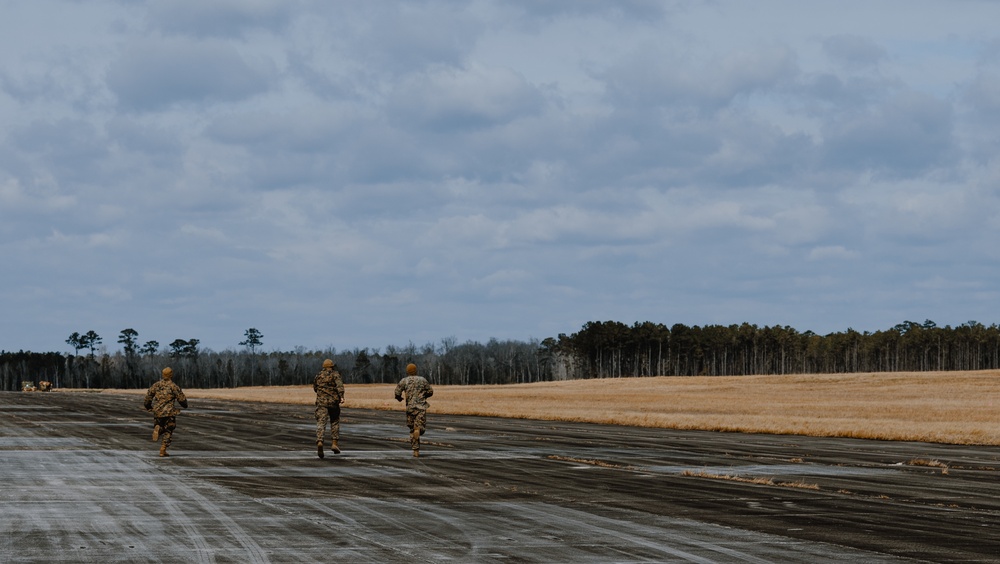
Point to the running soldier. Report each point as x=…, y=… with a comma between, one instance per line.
x=417, y=390
x=329, y=388
x=160, y=399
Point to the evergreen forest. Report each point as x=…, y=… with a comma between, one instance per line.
x=607, y=349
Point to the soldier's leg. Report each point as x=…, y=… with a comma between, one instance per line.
x=335, y=428
x=322, y=418
x=412, y=421
x=420, y=421
x=409, y=424
x=167, y=426
x=334, y=413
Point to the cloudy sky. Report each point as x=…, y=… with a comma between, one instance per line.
x=360, y=174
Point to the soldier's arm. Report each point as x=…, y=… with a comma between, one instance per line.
x=148, y=401
x=430, y=390
x=181, y=398
x=399, y=390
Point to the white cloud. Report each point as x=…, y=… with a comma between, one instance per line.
x=943, y=283
x=502, y=283
x=833, y=252
x=205, y=234
x=448, y=99
x=475, y=231
x=15, y=199
x=400, y=298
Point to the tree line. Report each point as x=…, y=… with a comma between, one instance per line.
x=605, y=349
x=137, y=366
x=613, y=349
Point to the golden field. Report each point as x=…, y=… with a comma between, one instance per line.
x=944, y=407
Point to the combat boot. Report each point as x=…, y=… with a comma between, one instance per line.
x=334, y=447
x=156, y=432
x=163, y=450
x=319, y=449
x=416, y=452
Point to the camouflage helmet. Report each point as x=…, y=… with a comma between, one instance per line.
x=411, y=369
x=328, y=363
x=168, y=372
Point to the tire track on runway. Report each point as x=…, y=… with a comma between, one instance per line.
x=348, y=525
x=255, y=553
x=606, y=524
x=177, y=514
x=216, y=427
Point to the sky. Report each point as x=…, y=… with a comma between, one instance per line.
x=362, y=174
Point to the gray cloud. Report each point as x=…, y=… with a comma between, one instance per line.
x=157, y=73
x=298, y=130
x=149, y=140
x=456, y=99
x=854, y=50
x=983, y=92
x=652, y=78
x=69, y=149
x=398, y=39
x=906, y=135
x=642, y=10
x=221, y=18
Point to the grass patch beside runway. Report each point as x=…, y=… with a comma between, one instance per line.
x=942, y=407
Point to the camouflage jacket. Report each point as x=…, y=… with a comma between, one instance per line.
x=329, y=388
x=160, y=398
x=417, y=390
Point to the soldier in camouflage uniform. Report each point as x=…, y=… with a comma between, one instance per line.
x=160, y=399
x=329, y=388
x=417, y=389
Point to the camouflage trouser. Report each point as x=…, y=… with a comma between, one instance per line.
x=416, y=419
x=167, y=426
x=326, y=415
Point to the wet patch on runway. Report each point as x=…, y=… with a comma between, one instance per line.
x=347, y=454
x=36, y=442
x=314, y=471
x=398, y=530
x=777, y=470
x=97, y=424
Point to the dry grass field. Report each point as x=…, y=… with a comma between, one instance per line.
x=944, y=407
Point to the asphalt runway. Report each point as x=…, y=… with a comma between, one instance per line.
x=80, y=481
